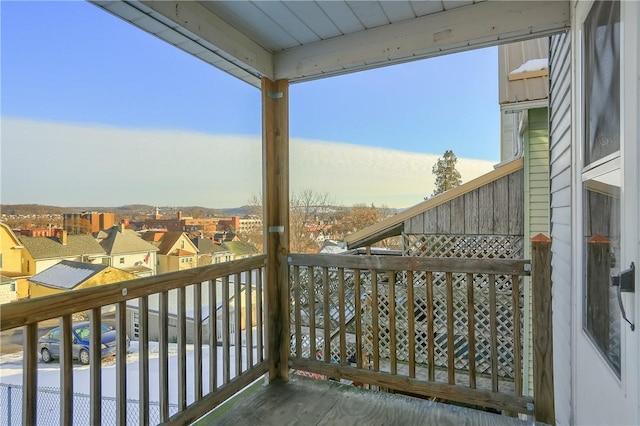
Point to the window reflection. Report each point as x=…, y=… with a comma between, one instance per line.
x=602, y=250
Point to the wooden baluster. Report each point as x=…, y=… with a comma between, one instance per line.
x=248, y=292
x=197, y=344
x=451, y=367
x=392, y=322
x=182, y=349
x=96, y=366
x=326, y=312
x=66, y=370
x=358, y=313
x=517, y=344
x=260, y=328
x=237, y=301
x=342, y=315
x=163, y=353
x=226, y=373
x=431, y=348
x=143, y=372
x=411, y=309
x=121, y=363
x=213, y=335
x=375, y=327
x=471, y=331
x=30, y=375
x=493, y=321
x=312, y=312
x=297, y=308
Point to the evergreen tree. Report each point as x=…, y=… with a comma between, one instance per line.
x=447, y=176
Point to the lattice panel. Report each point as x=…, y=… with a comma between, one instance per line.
x=464, y=246
x=304, y=292
x=460, y=318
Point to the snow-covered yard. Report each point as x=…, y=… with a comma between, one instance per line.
x=49, y=379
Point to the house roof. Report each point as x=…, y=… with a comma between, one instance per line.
x=524, y=71
x=240, y=248
x=125, y=242
x=298, y=41
x=205, y=245
x=52, y=247
x=394, y=225
x=67, y=274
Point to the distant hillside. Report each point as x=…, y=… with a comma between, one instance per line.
x=127, y=211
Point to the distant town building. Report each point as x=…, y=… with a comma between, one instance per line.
x=203, y=226
x=87, y=222
x=175, y=252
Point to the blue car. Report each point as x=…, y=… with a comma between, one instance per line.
x=49, y=344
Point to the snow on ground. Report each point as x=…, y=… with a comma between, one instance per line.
x=49, y=374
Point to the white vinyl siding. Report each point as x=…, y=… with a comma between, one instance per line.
x=560, y=176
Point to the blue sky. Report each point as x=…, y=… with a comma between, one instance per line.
x=71, y=63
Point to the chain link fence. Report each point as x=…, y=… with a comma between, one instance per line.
x=49, y=408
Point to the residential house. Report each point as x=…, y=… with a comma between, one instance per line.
x=239, y=249
x=209, y=252
x=13, y=285
x=40, y=253
x=69, y=275
x=128, y=251
x=175, y=252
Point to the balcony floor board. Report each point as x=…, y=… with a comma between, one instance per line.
x=304, y=401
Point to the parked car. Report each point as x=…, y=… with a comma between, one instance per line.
x=49, y=344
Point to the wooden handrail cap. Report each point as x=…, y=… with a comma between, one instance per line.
x=599, y=239
x=540, y=238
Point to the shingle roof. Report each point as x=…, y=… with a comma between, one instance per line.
x=67, y=274
x=240, y=248
x=51, y=247
x=127, y=242
x=205, y=245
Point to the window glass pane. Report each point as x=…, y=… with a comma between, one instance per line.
x=602, y=253
x=602, y=81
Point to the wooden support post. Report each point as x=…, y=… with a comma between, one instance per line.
x=543, y=396
x=275, y=152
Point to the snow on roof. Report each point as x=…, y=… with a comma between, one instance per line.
x=532, y=65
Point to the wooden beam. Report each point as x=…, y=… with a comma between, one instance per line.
x=275, y=151
x=479, y=25
x=543, y=396
x=528, y=74
x=201, y=33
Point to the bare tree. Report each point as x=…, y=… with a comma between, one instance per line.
x=253, y=235
x=310, y=213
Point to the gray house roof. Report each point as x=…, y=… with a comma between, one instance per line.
x=67, y=274
x=52, y=247
x=206, y=246
x=125, y=242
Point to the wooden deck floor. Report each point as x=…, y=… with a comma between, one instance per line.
x=303, y=401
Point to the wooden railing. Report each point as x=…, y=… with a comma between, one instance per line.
x=235, y=287
x=444, y=328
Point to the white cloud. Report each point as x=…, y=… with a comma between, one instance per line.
x=85, y=165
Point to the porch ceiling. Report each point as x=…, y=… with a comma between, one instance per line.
x=303, y=40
